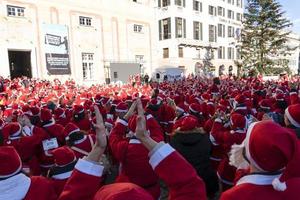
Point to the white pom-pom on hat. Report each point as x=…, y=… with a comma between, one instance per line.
x=278, y=185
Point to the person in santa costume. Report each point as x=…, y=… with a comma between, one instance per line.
x=221, y=136
x=15, y=185
x=273, y=156
x=80, y=118
x=79, y=142
x=194, y=145
x=65, y=161
x=25, y=143
x=131, y=154
x=164, y=160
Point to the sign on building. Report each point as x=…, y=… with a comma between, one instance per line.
x=56, y=46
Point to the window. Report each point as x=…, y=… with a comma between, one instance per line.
x=221, y=53
x=221, y=11
x=85, y=21
x=164, y=29
x=115, y=75
x=238, y=54
x=230, y=14
x=231, y=2
x=180, y=27
x=88, y=66
x=238, y=17
x=165, y=52
x=230, y=53
x=212, y=33
x=180, y=52
x=15, y=11
x=138, y=28
x=139, y=58
x=163, y=3
x=197, y=6
x=180, y=3
x=221, y=30
x=239, y=3
x=230, y=31
x=198, y=34
x=212, y=10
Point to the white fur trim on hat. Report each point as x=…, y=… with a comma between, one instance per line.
x=246, y=142
x=120, y=110
x=291, y=119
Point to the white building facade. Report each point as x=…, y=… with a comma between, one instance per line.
x=75, y=39
x=191, y=32
x=294, y=57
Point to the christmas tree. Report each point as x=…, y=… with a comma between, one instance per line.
x=264, y=36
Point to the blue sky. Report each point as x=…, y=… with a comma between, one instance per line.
x=292, y=8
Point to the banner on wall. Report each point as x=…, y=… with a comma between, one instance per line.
x=56, y=45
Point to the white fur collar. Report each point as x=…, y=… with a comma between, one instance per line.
x=15, y=188
x=62, y=176
x=258, y=179
x=80, y=141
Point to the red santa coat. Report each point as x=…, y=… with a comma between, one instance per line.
x=23, y=187
x=133, y=156
x=165, y=161
x=259, y=187
x=84, y=124
x=45, y=157
x=58, y=181
x=84, y=146
x=226, y=172
x=26, y=147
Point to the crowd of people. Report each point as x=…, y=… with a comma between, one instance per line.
x=194, y=138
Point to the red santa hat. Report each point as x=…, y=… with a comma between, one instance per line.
x=35, y=111
x=238, y=122
x=181, y=107
x=188, y=123
x=78, y=109
x=63, y=156
x=12, y=129
x=10, y=162
x=293, y=114
x=70, y=128
x=121, y=191
x=59, y=112
x=26, y=110
x=46, y=116
x=122, y=107
x=265, y=104
x=273, y=151
x=194, y=108
x=240, y=99
x=279, y=97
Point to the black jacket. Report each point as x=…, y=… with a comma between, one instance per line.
x=195, y=147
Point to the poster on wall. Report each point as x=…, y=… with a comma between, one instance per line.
x=56, y=45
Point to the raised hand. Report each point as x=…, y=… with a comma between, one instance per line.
x=100, y=129
x=101, y=141
x=131, y=110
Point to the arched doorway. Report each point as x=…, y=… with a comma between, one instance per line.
x=221, y=70
x=230, y=70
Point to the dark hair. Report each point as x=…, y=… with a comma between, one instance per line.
x=35, y=120
x=78, y=117
x=1, y=138
x=73, y=137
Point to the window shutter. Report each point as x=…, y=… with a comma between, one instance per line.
x=183, y=3
x=184, y=28
x=159, y=3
